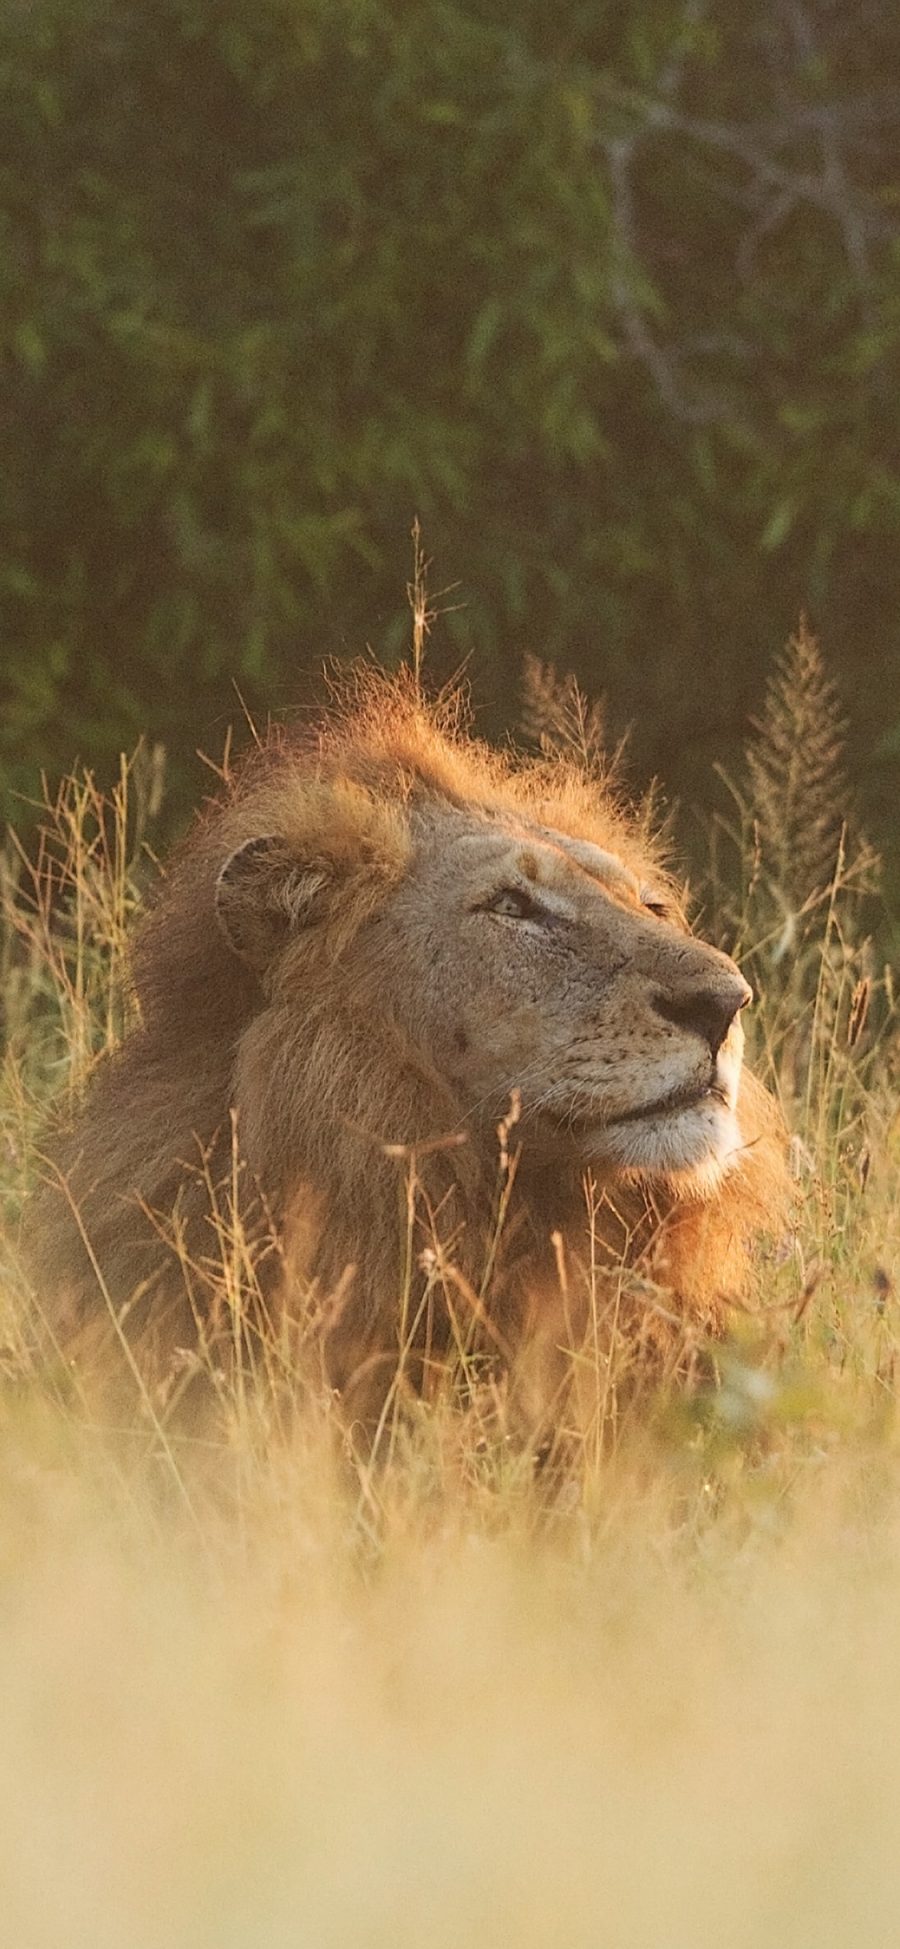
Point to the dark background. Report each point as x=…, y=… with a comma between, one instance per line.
x=607, y=294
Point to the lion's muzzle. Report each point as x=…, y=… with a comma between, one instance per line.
x=708, y=1010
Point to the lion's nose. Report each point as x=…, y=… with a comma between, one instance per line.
x=708, y=1012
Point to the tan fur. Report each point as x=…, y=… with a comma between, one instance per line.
x=323, y=972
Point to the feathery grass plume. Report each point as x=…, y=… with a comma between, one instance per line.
x=793, y=860
x=417, y=596
x=813, y=867
x=788, y=883
x=799, y=793
x=789, y=887
x=556, y=716
x=425, y=608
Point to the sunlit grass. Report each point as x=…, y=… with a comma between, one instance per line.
x=642, y=1723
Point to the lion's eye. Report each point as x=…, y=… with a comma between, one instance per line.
x=514, y=904
x=655, y=905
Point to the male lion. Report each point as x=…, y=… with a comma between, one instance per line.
x=381, y=938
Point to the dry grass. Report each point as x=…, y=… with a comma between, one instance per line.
x=259, y=1691
x=617, y=1733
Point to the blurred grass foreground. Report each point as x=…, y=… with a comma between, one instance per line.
x=257, y=1690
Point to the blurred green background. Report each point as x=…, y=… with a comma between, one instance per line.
x=606, y=293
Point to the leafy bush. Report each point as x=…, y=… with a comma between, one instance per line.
x=609, y=296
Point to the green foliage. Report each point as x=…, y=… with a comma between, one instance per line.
x=609, y=296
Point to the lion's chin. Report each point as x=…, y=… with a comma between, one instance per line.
x=694, y=1146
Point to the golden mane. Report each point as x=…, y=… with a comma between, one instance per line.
x=335, y=1109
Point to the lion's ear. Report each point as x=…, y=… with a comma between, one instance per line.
x=263, y=892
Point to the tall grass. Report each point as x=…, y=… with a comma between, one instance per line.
x=261, y=1688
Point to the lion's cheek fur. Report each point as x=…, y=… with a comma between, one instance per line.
x=488, y=1067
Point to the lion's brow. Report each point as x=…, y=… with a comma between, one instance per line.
x=605, y=868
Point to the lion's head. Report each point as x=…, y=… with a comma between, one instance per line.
x=512, y=958
x=380, y=938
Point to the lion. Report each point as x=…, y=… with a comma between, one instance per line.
x=380, y=945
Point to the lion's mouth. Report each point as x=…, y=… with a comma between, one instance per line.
x=688, y=1097
x=685, y=1098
